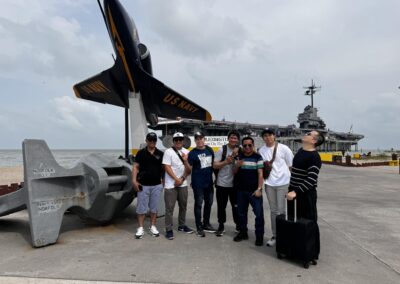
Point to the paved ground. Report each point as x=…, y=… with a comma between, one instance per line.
x=360, y=237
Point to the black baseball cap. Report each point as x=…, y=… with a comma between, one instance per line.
x=198, y=134
x=151, y=136
x=268, y=131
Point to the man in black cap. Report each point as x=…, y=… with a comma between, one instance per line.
x=278, y=160
x=201, y=161
x=147, y=175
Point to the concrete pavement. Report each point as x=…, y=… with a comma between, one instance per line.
x=360, y=243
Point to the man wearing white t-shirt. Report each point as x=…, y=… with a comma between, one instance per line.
x=276, y=185
x=177, y=168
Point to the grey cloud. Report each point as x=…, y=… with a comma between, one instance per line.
x=46, y=45
x=193, y=30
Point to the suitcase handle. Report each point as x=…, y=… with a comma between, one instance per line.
x=295, y=209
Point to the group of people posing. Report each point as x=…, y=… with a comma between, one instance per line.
x=241, y=173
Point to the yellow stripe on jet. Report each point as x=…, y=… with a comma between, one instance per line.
x=120, y=49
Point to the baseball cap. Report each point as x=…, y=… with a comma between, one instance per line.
x=198, y=134
x=177, y=135
x=268, y=131
x=151, y=136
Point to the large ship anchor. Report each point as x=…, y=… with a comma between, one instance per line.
x=96, y=188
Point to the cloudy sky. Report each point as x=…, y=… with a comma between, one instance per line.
x=242, y=60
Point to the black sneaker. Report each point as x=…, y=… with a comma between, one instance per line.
x=169, y=235
x=259, y=241
x=200, y=233
x=220, y=232
x=241, y=236
x=208, y=228
x=185, y=229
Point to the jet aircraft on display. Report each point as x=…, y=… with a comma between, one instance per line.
x=132, y=72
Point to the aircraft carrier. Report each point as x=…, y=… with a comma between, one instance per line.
x=217, y=130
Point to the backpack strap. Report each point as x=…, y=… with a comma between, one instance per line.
x=224, y=152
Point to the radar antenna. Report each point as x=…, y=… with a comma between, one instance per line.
x=311, y=90
x=351, y=129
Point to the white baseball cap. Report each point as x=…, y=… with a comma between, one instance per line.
x=177, y=134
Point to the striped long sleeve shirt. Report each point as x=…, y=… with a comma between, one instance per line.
x=305, y=170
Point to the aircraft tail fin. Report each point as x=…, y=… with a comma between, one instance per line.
x=106, y=87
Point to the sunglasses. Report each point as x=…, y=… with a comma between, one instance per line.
x=178, y=139
x=152, y=140
x=247, y=145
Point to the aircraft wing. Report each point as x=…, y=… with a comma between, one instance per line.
x=165, y=102
x=106, y=87
x=111, y=87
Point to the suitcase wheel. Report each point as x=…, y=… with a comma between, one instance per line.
x=279, y=256
x=313, y=262
x=306, y=265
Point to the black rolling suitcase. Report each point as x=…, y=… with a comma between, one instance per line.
x=297, y=239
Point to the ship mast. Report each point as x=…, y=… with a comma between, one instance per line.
x=311, y=90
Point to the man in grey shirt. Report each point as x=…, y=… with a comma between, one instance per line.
x=223, y=162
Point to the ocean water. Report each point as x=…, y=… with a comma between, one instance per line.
x=66, y=158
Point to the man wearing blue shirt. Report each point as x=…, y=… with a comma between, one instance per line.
x=201, y=162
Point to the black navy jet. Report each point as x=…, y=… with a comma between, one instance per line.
x=132, y=71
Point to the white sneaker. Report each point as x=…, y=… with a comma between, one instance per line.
x=139, y=233
x=153, y=231
x=271, y=242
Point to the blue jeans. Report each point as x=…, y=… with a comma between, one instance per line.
x=245, y=198
x=205, y=194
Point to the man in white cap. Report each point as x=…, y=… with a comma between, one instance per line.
x=177, y=168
